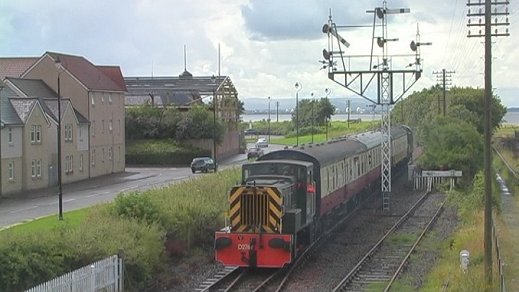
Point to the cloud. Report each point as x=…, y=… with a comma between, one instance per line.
x=266, y=45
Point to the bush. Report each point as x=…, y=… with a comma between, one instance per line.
x=136, y=224
x=135, y=206
x=31, y=258
x=103, y=235
x=191, y=210
x=27, y=260
x=165, y=151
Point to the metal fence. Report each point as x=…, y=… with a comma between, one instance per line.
x=105, y=275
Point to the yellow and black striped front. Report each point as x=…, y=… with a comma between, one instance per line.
x=255, y=209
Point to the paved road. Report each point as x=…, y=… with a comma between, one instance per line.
x=78, y=195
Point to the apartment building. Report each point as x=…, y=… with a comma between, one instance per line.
x=97, y=93
x=92, y=120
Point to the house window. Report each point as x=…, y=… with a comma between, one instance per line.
x=68, y=132
x=81, y=162
x=68, y=163
x=36, y=134
x=110, y=153
x=33, y=168
x=103, y=98
x=102, y=126
x=110, y=126
x=93, y=99
x=103, y=157
x=10, y=170
x=93, y=162
x=10, y=135
x=110, y=98
x=38, y=168
x=93, y=128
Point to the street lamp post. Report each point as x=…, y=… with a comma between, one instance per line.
x=269, y=120
x=313, y=104
x=213, y=79
x=277, y=111
x=1, y=176
x=60, y=190
x=298, y=87
x=327, y=91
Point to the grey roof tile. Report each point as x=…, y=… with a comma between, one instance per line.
x=8, y=115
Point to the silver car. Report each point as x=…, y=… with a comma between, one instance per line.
x=262, y=142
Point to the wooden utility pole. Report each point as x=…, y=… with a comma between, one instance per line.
x=487, y=111
x=443, y=77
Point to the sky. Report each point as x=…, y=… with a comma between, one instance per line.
x=266, y=46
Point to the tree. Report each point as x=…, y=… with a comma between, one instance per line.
x=143, y=122
x=198, y=123
x=452, y=143
x=473, y=100
x=313, y=112
x=148, y=122
x=420, y=108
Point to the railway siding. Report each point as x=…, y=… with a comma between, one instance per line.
x=379, y=265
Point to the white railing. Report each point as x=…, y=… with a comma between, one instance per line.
x=104, y=275
x=427, y=183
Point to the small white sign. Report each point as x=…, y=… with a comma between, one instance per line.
x=441, y=173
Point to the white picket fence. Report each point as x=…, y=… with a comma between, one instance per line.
x=105, y=275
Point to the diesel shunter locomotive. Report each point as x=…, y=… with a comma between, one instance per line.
x=286, y=197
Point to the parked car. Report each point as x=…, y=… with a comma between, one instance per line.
x=250, y=132
x=254, y=152
x=262, y=142
x=203, y=164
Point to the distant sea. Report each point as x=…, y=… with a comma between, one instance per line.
x=287, y=117
x=511, y=117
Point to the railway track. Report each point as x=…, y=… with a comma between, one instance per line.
x=240, y=279
x=283, y=279
x=221, y=276
x=381, y=265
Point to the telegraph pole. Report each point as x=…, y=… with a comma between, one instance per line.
x=382, y=70
x=443, y=77
x=500, y=9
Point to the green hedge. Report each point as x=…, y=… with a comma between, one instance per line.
x=161, y=151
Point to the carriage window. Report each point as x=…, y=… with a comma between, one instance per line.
x=357, y=166
x=347, y=172
x=328, y=179
x=336, y=182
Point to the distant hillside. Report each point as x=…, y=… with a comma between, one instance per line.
x=260, y=105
